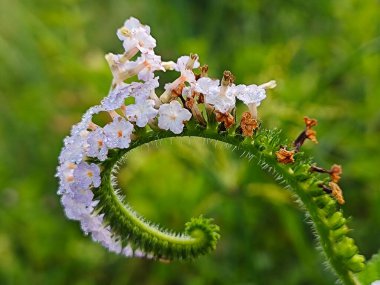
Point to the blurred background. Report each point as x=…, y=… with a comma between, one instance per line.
x=325, y=58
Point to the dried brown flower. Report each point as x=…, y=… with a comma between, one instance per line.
x=310, y=122
x=285, y=156
x=225, y=118
x=337, y=192
x=177, y=92
x=308, y=133
x=248, y=124
x=335, y=173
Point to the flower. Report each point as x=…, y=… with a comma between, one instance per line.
x=74, y=210
x=143, y=91
x=226, y=118
x=335, y=173
x=96, y=144
x=144, y=66
x=141, y=112
x=377, y=282
x=186, y=62
x=311, y=134
x=221, y=97
x=92, y=223
x=75, y=147
x=135, y=35
x=308, y=133
x=86, y=175
x=285, y=156
x=81, y=127
x=65, y=174
x=117, y=96
x=248, y=124
x=118, y=133
x=337, y=192
x=250, y=94
x=172, y=116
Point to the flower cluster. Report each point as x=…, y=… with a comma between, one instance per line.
x=89, y=144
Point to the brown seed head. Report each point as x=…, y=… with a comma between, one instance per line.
x=225, y=118
x=337, y=192
x=285, y=156
x=248, y=124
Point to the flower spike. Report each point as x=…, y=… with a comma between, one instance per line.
x=192, y=105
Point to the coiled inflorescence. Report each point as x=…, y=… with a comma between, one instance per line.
x=91, y=151
x=192, y=105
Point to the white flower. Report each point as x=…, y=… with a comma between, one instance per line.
x=81, y=127
x=83, y=196
x=135, y=35
x=143, y=91
x=96, y=144
x=86, y=175
x=141, y=112
x=65, y=169
x=91, y=223
x=65, y=174
x=144, y=66
x=182, y=63
x=75, y=148
x=172, y=116
x=185, y=64
x=118, y=133
x=377, y=282
x=207, y=85
x=117, y=97
x=250, y=94
x=74, y=210
x=221, y=97
x=151, y=63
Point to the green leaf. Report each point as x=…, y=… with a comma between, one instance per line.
x=372, y=271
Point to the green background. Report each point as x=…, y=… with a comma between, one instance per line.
x=325, y=58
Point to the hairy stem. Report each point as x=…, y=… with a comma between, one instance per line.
x=327, y=218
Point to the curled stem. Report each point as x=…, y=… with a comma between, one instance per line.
x=200, y=235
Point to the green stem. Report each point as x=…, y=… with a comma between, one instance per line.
x=201, y=236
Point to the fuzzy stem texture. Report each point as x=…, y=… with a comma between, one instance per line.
x=201, y=236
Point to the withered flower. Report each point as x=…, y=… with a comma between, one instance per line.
x=191, y=104
x=335, y=173
x=285, y=156
x=337, y=192
x=308, y=133
x=310, y=122
x=177, y=91
x=248, y=124
x=225, y=118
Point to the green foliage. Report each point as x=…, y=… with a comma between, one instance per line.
x=323, y=54
x=372, y=271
